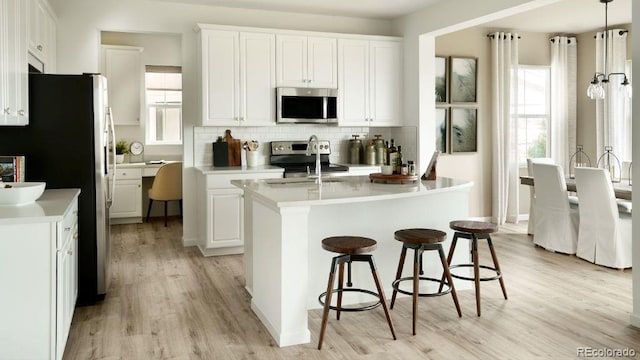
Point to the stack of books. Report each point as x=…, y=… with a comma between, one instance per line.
x=12, y=168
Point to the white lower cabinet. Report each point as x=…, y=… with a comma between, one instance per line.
x=39, y=281
x=127, y=196
x=221, y=211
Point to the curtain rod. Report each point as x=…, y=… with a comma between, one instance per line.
x=493, y=36
x=619, y=33
x=553, y=40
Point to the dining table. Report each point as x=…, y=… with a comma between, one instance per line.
x=622, y=189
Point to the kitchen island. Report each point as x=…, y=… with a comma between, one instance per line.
x=286, y=219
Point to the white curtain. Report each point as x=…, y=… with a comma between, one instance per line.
x=504, y=65
x=613, y=124
x=564, y=73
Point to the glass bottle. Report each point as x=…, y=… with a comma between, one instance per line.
x=386, y=153
x=392, y=156
x=399, y=160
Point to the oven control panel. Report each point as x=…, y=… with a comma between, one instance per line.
x=299, y=147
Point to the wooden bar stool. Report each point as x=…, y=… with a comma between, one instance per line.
x=474, y=230
x=351, y=248
x=421, y=240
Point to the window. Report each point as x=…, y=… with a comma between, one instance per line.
x=164, y=105
x=534, y=112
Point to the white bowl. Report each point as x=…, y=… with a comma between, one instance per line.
x=21, y=193
x=387, y=169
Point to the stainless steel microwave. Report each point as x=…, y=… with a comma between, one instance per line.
x=307, y=106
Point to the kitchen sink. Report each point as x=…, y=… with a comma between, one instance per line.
x=303, y=180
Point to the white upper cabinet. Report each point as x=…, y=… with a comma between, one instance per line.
x=42, y=33
x=122, y=65
x=370, y=83
x=304, y=61
x=238, y=78
x=14, y=91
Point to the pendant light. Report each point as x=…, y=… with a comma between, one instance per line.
x=596, y=89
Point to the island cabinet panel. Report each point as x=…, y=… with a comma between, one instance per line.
x=225, y=209
x=238, y=78
x=39, y=277
x=370, y=82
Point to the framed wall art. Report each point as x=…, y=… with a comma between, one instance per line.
x=464, y=130
x=441, y=79
x=442, y=129
x=463, y=79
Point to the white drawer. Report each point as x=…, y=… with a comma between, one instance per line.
x=128, y=174
x=68, y=225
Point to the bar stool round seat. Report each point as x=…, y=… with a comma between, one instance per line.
x=421, y=240
x=474, y=230
x=349, y=244
x=351, y=249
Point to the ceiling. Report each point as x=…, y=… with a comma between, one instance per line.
x=567, y=17
x=379, y=9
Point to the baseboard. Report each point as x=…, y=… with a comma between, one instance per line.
x=187, y=242
x=120, y=221
x=635, y=320
x=523, y=217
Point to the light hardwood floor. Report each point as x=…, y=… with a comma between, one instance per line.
x=169, y=302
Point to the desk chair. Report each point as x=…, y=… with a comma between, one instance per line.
x=167, y=186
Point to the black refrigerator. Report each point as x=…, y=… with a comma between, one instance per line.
x=66, y=144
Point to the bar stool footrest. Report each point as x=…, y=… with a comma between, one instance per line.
x=351, y=309
x=498, y=275
x=396, y=286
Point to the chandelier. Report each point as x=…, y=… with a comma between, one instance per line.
x=595, y=91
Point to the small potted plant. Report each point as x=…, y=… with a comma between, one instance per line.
x=121, y=148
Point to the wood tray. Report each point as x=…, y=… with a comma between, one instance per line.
x=392, y=179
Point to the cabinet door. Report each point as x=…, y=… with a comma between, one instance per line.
x=257, y=79
x=385, y=84
x=291, y=60
x=322, y=63
x=51, y=61
x=14, y=101
x=353, y=82
x=127, y=199
x=225, y=209
x=64, y=290
x=124, y=72
x=220, y=75
x=38, y=28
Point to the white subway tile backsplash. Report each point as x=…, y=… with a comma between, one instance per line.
x=338, y=136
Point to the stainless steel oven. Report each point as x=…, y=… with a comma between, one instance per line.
x=292, y=156
x=309, y=106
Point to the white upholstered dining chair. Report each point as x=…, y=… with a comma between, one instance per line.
x=532, y=191
x=556, y=221
x=605, y=228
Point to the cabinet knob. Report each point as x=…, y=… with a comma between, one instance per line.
x=7, y=111
x=39, y=47
x=67, y=229
x=21, y=112
x=70, y=252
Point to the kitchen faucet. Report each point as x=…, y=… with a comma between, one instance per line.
x=314, y=139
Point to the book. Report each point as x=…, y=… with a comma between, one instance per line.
x=430, y=173
x=12, y=168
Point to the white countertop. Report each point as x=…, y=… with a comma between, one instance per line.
x=143, y=164
x=51, y=206
x=339, y=190
x=208, y=170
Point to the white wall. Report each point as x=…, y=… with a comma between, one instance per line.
x=78, y=43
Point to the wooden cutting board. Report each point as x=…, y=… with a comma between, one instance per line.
x=392, y=179
x=234, y=149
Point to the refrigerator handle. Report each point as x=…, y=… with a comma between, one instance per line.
x=113, y=153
